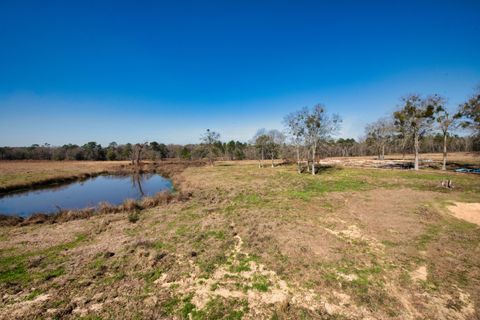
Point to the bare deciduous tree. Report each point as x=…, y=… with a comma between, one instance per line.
x=295, y=123
x=319, y=126
x=260, y=140
x=209, y=141
x=402, y=132
x=378, y=134
x=274, y=143
x=445, y=122
x=137, y=153
x=416, y=116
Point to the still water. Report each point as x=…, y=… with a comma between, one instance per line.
x=81, y=194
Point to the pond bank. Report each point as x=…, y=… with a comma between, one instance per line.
x=69, y=173
x=23, y=175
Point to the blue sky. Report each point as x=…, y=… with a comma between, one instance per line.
x=150, y=70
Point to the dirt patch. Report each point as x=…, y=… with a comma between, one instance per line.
x=419, y=274
x=466, y=211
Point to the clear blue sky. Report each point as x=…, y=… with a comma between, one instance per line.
x=76, y=71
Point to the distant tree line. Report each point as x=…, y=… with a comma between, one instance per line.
x=420, y=124
x=232, y=150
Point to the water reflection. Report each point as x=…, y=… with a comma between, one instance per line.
x=137, y=180
x=113, y=189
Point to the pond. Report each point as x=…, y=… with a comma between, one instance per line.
x=113, y=189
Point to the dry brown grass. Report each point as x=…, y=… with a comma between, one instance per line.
x=105, y=208
x=22, y=174
x=130, y=205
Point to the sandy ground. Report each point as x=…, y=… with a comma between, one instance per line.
x=466, y=211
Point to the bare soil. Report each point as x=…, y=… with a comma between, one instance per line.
x=466, y=211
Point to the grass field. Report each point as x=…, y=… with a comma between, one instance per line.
x=255, y=243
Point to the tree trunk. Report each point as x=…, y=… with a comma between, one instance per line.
x=313, y=158
x=261, y=165
x=416, y=145
x=273, y=164
x=382, y=157
x=298, y=160
x=139, y=153
x=444, y=166
x=404, y=147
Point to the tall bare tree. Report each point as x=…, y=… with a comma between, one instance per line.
x=416, y=115
x=402, y=135
x=319, y=126
x=378, y=134
x=275, y=141
x=209, y=141
x=137, y=153
x=260, y=140
x=445, y=121
x=295, y=123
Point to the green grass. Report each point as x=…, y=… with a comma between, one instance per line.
x=170, y=306
x=366, y=283
x=182, y=231
x=97, y=263
x=210, y=263
x=50, y=274
x=260, y=283
x=217, y=234
x=216, y=309
x=430, y=235
x=160, y=246
x=133, y=217
x=14, y=268
x=248, y=199
x=243, y=263
x=152, y=275
x=115, y=278
x=306, y=187
x=187, y=309
x=90, y=317
x=419, y=180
